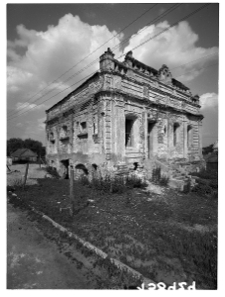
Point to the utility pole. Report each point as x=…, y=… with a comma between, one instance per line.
x=71, y=191
x=25, y=176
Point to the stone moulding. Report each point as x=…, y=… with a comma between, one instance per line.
x=155, y=88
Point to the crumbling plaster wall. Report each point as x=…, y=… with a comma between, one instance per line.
x=104, y=103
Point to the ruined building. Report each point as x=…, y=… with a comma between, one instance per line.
x=127, y=116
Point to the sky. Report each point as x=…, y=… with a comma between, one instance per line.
x=48, y=45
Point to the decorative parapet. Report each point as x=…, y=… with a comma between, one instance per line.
x=165, y=75
x=130, y=66
x=107, y=60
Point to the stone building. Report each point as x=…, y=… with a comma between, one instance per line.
x=127, y=116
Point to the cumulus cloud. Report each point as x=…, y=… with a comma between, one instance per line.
x=36, y=58
x=209, y=100
x=51, y=53
x=174, y=47
x=209, y=108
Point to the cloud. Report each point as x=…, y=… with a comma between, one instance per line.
x=27, y=106
x=174, y=47
x=50, y=53
x=209, y=100
x=41, y=124
x=209, y=108
x=37, y=58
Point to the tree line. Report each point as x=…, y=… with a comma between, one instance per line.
x=17, y=143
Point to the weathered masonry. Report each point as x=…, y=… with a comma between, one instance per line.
x=126, y=116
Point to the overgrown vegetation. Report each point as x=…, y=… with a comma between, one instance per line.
x=17, y=182
x=206, y=183
x=109, y=184
x=170, y=238
x=158, y=178
x=52, y=171
x=208, y=149
x=206, y=174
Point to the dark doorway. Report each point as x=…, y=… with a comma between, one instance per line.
x=65, y=168
x=150, y=139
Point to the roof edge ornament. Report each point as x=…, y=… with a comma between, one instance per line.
x=107, y=60
x=164, y=74
x=129, y=55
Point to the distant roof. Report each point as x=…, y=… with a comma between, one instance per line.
x=23, y=152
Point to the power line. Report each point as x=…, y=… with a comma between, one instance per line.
x=192, y=61
x=91, y=74
x=197, y=69
x=93, y=62
x=189, y=15
x=94, y=51
x=184, y=18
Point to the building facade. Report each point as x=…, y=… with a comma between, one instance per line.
x=126, y=116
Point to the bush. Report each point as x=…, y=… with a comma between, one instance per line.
x=164, y=181
x=187, y=187
x=135, y=182
x=202, y=189
x=213, y=184
x=206, y=174
x=158, y=178
x=156, y=174
x=84, y=180
x=117, y=184
x=52, y=170
x=17, y=182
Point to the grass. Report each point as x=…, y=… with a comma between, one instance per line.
x=206, y=183
x=169, y=237
x=114, y=185
x=206, y=174
x=17, y=182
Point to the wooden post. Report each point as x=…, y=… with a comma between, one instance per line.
x=25, y=176
x=71, y=191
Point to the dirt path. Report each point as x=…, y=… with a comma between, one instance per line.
x=34, y=262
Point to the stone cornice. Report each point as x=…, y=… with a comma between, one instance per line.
x=147, y=101
x=156, y=89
